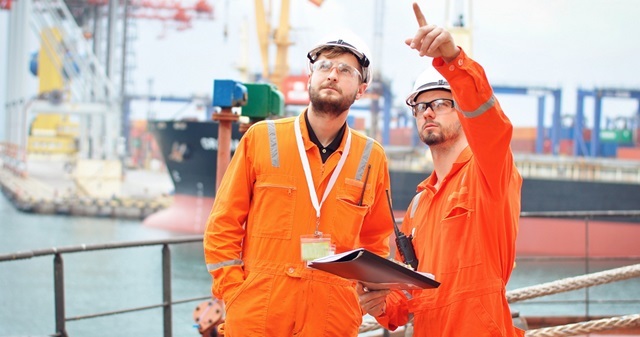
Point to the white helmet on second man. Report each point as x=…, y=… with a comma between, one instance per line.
x=430, y=79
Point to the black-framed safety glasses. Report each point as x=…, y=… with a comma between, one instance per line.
x=438, y=106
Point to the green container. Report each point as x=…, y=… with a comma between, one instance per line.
x=264, y=100
x=616, y=136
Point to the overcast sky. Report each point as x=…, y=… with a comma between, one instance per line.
x=565, y=44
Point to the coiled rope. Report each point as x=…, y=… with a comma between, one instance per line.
x=582, y=328
x=563, y=285
x=573, y=283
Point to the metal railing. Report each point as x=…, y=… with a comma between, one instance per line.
x=58, y=266
x=167, y=299
x=578, y=168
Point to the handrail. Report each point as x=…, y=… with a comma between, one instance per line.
x=167, y=301
x=582, y=214
x=93, y=247
x=59, y=299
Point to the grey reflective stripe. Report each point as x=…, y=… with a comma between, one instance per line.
x=414, y=204
x=273, y=144
x=482, y=109
x=409, y=297
x=365, y=158
x=214, y=266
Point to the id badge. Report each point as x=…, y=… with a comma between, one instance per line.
x=313, y=247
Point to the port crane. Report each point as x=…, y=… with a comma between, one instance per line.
x=280, y=38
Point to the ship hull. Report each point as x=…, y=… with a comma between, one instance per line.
x=193, y=172
x=187, y=214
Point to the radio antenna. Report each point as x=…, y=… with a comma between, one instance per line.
x=403, y=242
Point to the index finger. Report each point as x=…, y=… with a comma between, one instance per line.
x=421, y=20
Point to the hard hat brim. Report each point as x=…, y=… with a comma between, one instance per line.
x=362, y=58
x=411, y=99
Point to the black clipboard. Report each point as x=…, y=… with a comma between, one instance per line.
x=373, y=271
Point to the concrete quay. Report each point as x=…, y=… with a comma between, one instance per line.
x=48, y=187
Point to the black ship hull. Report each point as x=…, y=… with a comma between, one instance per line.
x=190, y=152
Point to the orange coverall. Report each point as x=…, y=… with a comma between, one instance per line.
x=252, y=239
x=465, y=232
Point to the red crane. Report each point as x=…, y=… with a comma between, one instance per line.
x=5, y=4
x=171, y=12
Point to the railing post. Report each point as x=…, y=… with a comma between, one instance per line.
x=166, y=290
x=58, y=286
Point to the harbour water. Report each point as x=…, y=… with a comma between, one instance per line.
x=117, y=279
x=94, y=281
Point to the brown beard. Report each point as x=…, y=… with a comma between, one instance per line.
x=447, y=134
x=332, y=106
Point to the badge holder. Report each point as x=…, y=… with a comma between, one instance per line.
x=315, y=246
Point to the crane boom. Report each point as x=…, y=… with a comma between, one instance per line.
x=263, y=28
x=282, y=42
x=280, y=39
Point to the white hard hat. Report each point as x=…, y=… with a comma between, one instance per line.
x=430, y=79
x=353, y=44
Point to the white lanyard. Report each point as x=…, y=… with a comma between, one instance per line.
x=307, y=171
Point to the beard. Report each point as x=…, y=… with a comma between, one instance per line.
x=446, y=134
x=330, y=105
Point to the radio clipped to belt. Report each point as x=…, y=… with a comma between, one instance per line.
x=403, y=242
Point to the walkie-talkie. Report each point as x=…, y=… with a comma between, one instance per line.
x=403, y=242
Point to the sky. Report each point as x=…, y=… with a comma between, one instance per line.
x=566, y=44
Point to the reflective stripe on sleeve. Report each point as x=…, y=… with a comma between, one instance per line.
x=214, y=266
x=482, y=109
x=407, y=294
x=273, y=144
x=364, y=159
x=414, y=204
x=409, y=297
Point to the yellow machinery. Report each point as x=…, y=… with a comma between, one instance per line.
x=280, y=39
x=53, y=134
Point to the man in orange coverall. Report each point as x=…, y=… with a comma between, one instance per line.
x=464, y=218
x=299, y=188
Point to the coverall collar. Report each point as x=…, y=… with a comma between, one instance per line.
x=310, y=138
x=461, y=161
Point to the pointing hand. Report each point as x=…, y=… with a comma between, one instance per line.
x=431, y=40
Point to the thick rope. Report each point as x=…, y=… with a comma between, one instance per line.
x=582, y=328
x=573, y=283
x=563, y=285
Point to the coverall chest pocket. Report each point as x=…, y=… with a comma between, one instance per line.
x=349, y=214
x=459, y=243
x=272, y=207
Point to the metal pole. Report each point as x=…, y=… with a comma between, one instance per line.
x=225, y=117
x=58, y=286
x=595, y=134
x=166, y=290
x=578, y=136
x=540, y=134
x=124, y=108
x=556, y=126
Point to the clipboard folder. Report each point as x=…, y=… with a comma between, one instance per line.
x=373, y=271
